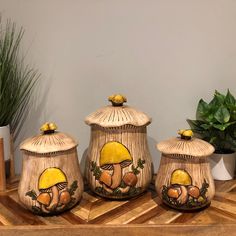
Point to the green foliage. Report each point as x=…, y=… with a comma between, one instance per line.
x=140, y=165
x=204, y=188
x=73, y=187
x=216, y=122
x=31, y=194
x=17, y=80
x=36, y=210
x=96, y=170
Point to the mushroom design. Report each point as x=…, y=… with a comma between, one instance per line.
x=51, y=181
x=180, y=179
x=44, y=201
x=114, y=156
x=130, y=179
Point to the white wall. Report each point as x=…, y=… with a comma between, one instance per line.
x=163, y=54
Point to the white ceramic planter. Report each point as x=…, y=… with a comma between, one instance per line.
x=223, y=166
x=5, y=134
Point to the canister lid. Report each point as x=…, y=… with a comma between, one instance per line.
x=186, y=145
x=49, y=141
x=117, y=114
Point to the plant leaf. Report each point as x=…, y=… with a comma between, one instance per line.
x=195, y=125
x=222, y=115
x=17, y=81
x=222, y=127
x=202, y=109
x=220, y=97
x=230, y=100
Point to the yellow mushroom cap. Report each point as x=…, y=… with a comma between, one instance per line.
x=114, y=153
x=181, y=177
x=51, y=177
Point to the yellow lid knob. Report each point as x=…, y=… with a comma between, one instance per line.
x=117, y=99
x=185, y=133
x=47, y=128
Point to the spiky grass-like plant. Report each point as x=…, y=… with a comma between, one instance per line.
x=17, y=80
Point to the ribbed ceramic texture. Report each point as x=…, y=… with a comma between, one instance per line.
x=50, y=164
x=186, y=148
x=134, y=138
x=49, y=143
x=198, y=169
x=33, y=167
x=184, y=166
x=115, y=116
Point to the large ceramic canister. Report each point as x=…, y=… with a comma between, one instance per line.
x=51, y=180
x=184, y=179
x=118, y=159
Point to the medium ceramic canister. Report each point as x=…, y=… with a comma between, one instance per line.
x=118, y=159
x=51, y=180
x=184, y=179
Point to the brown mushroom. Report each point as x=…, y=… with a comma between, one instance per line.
x=193, y=191
x=182, y=178
x=44, y=198
x=130, y=179
x=64, y=197
x=105, y=178
x=183, y=197
x=174, y=192
x=51, y=181
x=44, y=201
x=115, y=156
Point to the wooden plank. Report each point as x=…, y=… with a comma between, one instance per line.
x=135, y=213
x=54, y=220
x=2, y=167
x=82, y=210
x=213, y=216
x=106, y=230
x=229, y=196
x=166, y=218
x=186, y=217
x=72, y=218
x=19, y=211
x=225, y=186
x=8, y=217
x=141, y=215
x=121, y=210
x=226, y=207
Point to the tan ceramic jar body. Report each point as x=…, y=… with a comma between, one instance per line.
x=118, y=160
x=51, y=181
x=179, y=195
x=184, y=179
x=135, y=140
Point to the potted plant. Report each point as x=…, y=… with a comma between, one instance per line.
x=17, y=82
x=216, y=123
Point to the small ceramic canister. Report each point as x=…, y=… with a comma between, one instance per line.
x=51, y=180
x=118, y=158
x=184, y=179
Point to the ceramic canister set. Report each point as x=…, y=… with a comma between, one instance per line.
x=118, y=164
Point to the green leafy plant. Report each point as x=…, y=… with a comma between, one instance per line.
x=216, y=122
x=17, y=80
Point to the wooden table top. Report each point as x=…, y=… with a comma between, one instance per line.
x=139, y=216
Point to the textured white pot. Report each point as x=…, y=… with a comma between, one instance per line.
x=223, y=166
x=5, y=134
